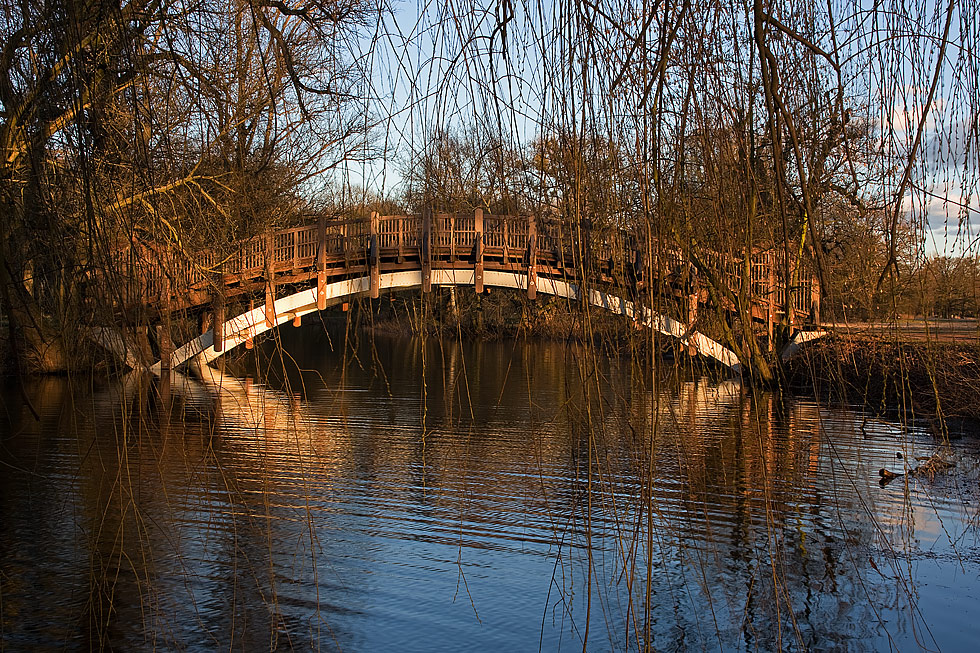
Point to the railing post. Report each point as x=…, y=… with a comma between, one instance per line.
x=374, y=256
x=585, y=233
x=425, y=249
x=792, y=292
x=532, y=257
x=636, y=270
x=401, y=238
x=270, y=282
x=506, y=224
x=452, y=236
x=343, y=243
x=295, y=233
x=771, y=318
x=815, y=298
x=321, y=264
x=478, y=251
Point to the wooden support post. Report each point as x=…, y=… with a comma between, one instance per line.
x=166, y=346
x=165, y=342
x=532, y=257
x=321, y=264
x=218, y=321
x=425, y=247
x=297, y=320
x=692, y=317
x=270, y=281
x=248, y=332
x=374, y=256
x=218, y=310
x=142, y=344
x=270, y=303
x=478, y=251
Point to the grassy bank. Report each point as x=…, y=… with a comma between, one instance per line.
x=920, y=379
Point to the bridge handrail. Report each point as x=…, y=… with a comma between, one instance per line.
x=560, y=246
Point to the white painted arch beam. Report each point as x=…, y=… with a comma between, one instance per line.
x=253, y=323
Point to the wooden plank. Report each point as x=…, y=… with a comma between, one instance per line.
x=478, y=251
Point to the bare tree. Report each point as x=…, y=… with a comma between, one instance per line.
x=160, y=120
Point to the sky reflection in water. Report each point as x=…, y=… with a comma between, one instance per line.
x=441, y=496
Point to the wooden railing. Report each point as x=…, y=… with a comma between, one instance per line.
x=333, y=249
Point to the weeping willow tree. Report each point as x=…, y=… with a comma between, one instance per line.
x=722, y=130
x=726, y=130
x=826, y=134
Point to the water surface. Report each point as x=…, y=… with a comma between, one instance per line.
x=410, y=495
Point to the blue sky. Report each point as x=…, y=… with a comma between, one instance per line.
x=421, y=83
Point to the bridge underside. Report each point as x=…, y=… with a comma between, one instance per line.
x=252, y=323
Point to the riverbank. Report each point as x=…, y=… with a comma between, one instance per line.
x=937, y=380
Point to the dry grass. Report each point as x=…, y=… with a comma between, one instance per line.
x=936, y=381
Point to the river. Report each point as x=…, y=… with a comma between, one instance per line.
x=410, y=495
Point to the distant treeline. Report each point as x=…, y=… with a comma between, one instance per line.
x=936, y=287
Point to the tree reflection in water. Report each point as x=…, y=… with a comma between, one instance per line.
x=515, y=506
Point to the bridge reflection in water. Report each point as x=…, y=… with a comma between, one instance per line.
x=469, y=495
x=304, y=269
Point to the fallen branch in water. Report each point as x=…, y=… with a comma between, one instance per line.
x=931, y=465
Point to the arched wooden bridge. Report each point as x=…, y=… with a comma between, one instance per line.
x=305, y=269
